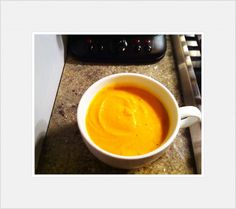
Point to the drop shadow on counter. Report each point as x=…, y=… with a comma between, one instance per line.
x=64, y=152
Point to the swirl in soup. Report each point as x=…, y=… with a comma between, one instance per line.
x=127, y=120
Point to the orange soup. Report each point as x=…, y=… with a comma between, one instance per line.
x=127, y=120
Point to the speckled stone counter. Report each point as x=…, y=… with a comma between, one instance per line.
x=63, y=150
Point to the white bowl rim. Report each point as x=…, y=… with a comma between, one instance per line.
x=136, y=157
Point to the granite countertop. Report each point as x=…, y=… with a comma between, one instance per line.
x=64, y=151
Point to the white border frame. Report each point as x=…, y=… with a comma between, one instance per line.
x=207, y=193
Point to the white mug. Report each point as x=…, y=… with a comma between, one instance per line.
x=179, y=117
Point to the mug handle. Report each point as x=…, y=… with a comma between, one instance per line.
x=189, y=115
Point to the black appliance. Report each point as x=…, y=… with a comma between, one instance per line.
x=118, y=48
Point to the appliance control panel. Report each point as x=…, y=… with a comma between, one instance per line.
x=118, y=48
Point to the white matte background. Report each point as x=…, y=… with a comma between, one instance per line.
x=21, y=189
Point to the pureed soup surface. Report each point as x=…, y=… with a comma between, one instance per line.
x=127, y=120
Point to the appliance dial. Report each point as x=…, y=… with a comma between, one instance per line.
x=148, y=48
x=138, y=48
x=92, y=48
x=122, y=46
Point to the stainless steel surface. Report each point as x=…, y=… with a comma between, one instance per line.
x=190, y=89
